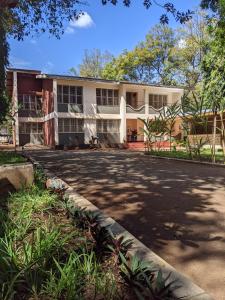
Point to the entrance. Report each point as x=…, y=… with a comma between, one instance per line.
x=135, y=130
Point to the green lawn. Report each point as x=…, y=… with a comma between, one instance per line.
x=205, y=155
x=11, y=158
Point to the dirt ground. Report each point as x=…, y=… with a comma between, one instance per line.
x=175, y=208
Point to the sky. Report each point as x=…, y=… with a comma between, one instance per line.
x=111, y=28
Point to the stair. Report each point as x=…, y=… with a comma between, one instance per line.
x=136, y=146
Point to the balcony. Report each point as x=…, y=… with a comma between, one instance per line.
x=134, y=103
x=30, y=105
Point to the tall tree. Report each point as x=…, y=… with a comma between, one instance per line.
x=151, y=61
x=191, y=49
x=93, y=63
x=19, y=18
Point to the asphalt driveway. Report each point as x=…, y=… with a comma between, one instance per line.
x=177, y=209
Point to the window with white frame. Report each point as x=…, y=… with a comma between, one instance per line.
x=30, y=128
x=71, y=125
x=69, y=94
x=158, y=101
x=107, y=97
x=108, y=126
x=30, y=102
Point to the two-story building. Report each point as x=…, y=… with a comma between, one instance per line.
x=69, y=110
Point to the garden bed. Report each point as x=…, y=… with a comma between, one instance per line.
x=205, y=156
x=51, y=249
x=11, y=158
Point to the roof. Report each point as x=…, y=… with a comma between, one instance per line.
x=71, y=77
x=30, y=71
x=92, y=79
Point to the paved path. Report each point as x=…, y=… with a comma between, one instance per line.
x=177, y=209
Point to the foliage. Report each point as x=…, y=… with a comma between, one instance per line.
x=120, y=245
x=150, y=61
x=169, y=8
x=146, y=282
x=38, y=252
x=11, y=158
x=192, y=37
x=166, y=56
x=205, y=155
x=169, y=115
x=93, y=63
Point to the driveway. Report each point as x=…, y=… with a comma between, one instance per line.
x=175, y=208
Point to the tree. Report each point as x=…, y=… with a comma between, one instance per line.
x=19, y=18
x=93, y=63
x=213, y=68
x=192, y=37
x=4, y=48
x=151, y=61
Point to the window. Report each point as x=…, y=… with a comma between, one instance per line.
x=30, y=102
x=30, y=128
x=107, y=97
x=71, y=125
x=132, y=99
x=157, y=101
x=69, y=94
x=108, y=126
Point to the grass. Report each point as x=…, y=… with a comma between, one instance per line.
x=205, y=155
x=11, y=158
x=44, y=256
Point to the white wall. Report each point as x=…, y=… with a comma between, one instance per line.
x=89, y=103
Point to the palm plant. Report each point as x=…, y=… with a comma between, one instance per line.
x=194, y=116
x=170, y=114
x=152, y=128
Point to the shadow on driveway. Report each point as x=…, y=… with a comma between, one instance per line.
x=175, y=208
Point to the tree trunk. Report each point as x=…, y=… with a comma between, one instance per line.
x=214, y=139
x=4, y=53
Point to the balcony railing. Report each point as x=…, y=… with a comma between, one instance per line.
x=107, y=109
x=70, y=107
x=135, y=110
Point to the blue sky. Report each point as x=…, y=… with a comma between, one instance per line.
x=104, y=27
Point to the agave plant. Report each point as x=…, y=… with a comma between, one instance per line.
x=102, y=237
x=83, y=218
x=119, y=245
x=146, y=282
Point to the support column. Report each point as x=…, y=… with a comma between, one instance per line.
x=15, y=110
x=89, y=130
x=56, y=129
x=123, y=129
x=146, y=109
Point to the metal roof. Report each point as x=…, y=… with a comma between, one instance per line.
x=91, y=79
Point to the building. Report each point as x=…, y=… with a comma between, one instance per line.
x=67, y=110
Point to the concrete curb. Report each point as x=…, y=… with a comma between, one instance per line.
x=187, y=161
x=187, y=289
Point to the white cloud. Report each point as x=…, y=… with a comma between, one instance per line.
x=18, y=62
x=48, y=67
x=69, y=30
x=84, y=21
